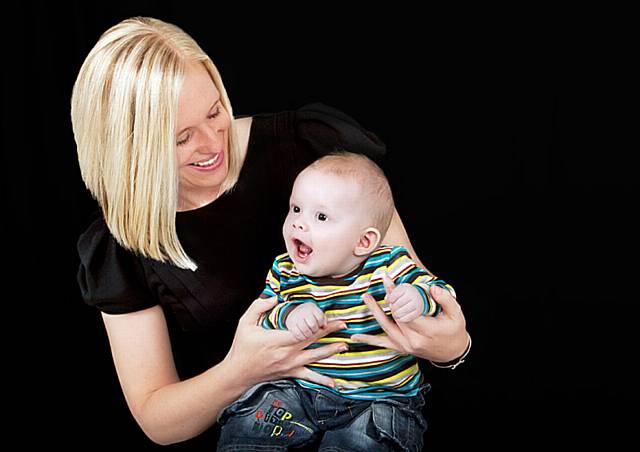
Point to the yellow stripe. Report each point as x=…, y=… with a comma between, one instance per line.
x=273, y=281
x=401, y=261
x=330, y=340
x=295, y=289
x=384, y=380
x=352, y=309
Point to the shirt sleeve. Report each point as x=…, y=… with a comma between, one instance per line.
x=402, y=269
x=110, y=278
x=276, y=318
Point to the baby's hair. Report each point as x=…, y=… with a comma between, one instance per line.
x=369, y=176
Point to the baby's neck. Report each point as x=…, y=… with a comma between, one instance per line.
x=355, y=264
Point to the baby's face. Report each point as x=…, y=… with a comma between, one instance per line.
x=326, y=218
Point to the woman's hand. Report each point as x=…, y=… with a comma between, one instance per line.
x=260, y=354
x=439, y=339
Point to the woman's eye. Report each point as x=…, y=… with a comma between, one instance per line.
x=215, y=113
x=322, y=217
x=183, y=141
x=295, y=209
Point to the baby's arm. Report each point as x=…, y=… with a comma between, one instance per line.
x=305, y=320
x=273, y=319
x=410, y=301
x=409, y=292
x=301, y=318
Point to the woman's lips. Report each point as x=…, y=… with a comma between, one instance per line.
x=209, y=164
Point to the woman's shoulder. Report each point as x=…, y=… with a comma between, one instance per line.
x=327, y=129
x=311, y=131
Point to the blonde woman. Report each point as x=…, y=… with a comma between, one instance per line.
x=191, y=200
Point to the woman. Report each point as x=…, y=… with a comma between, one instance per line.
x=192, y=202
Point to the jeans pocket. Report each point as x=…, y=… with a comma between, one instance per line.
x=253, y=398
x=400, y=425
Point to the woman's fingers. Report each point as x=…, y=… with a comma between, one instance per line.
x=322, y=352
x=376, y=341
x=395, y=337
x=446, y=300
x=392, y=294
x=386, y=324
x=309, y=375
x=389, y=285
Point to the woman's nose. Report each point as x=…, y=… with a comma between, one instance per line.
x=213, y=137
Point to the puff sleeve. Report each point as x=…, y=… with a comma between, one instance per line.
x=111, y=278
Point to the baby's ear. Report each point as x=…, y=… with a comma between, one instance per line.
x=368, y=241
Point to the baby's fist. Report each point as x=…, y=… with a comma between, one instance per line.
x=406, y=303
x=305, y=320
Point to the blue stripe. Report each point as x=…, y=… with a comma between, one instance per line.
x=426, y=304
x=364, y=393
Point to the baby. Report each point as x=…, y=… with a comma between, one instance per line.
x=340, y=209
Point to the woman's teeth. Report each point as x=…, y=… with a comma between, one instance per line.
x=209, y=162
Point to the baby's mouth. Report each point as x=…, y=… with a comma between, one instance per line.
x=302, y=250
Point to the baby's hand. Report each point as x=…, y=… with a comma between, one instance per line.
x=405, y=301
x=305, y=320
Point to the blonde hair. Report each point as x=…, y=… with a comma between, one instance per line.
x=369, y=177
x=123, y=109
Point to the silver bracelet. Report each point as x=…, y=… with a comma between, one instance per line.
x=457, y=361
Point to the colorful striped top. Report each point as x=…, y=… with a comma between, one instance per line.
x=364, y=371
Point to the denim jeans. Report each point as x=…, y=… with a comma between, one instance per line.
x=281, y=415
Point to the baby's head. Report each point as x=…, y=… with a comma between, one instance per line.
x=340, y=209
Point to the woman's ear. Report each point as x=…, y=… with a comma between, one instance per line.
x=368, y=241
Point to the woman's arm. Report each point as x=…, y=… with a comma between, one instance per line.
x=439, y=339
x=169, y=410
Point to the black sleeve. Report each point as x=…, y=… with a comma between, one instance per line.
x=110, y=277
x=323, y=129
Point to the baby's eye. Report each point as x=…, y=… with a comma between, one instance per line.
x=322, y=217
x=295, y=209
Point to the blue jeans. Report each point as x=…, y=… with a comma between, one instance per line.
x=278, y=415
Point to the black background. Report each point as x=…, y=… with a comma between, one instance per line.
x=512, y=159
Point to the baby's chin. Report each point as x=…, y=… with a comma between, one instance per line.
x=309, y=269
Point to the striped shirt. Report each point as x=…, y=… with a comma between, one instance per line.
x=364, y=371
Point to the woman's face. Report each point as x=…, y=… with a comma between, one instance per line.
x=201, y=138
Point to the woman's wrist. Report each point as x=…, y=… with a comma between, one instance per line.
x=237, y=380
x=455, y=362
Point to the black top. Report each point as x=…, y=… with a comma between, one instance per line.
x=233, y=240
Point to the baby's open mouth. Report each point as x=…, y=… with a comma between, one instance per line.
x=302, y=250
